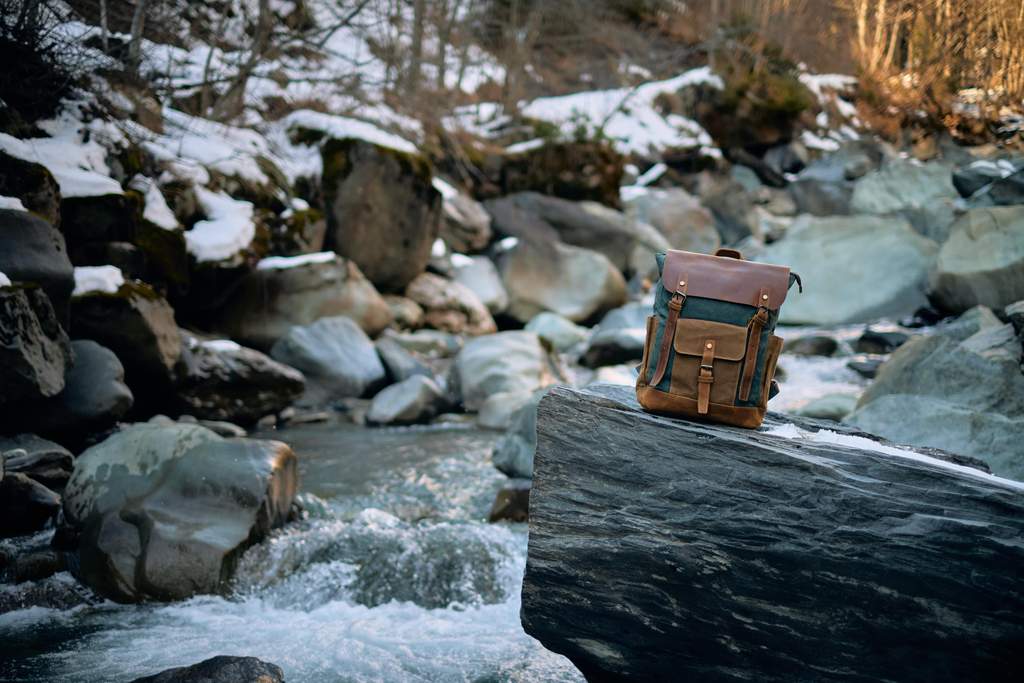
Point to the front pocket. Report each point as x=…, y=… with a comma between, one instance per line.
x=690, y=342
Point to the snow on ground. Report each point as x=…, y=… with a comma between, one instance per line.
x=11, y=203
x=4, y=280
x=227, y=230
x=220, y=345
x=283, y=262
x=89, y=279
x=628, y=116
x=827, y=436
x=446, y=189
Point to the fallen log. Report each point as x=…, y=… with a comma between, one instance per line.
x=664, y=549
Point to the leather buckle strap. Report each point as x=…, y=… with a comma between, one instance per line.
x=757, y=325
x=675, y=304
x=705, y=377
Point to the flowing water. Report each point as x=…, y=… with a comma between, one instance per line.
x=394, y=575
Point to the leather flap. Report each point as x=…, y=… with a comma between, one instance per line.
x=726, y=279
x=691, y=335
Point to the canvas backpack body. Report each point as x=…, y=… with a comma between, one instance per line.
x=710, y=351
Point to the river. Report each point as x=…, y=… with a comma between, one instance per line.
x=393, y=575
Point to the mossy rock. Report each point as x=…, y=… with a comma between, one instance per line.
x=166, y=256
x=33, y=184
x=103, y=218
x=757, y=109
x=382, y=209
x=587, y=170
x=300, y=232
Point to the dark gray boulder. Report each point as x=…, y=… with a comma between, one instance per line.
x=973, y=177
x=43, y=461
x=33, y=250
x=220, y=380
x=1009, y=190
x=877, y=341
x=34, y=350
x=220, y=669
x=335, y=355
x=667, y=550
x=161, y=512
x=94, y=398
x=811, y=345
x=25, y=505
x=966, y=397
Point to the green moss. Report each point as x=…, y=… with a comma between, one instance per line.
x=337, y=160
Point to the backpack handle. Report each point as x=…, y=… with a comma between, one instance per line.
x=729, y=253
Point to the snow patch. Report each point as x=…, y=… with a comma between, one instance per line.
x=438, y=249
x=283, y=262
x=525, y=146
x=156, y=212
x=652, y=174
x=80, y=168
x=11, y=203
x=220, y=345
x=4, y=280
x=90, y=279
x=446, y=189
x=344, y=127
x=227, y=230
x=827, y=436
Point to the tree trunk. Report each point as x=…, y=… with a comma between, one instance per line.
x=138, y=26
x=416, y=49
x=664, y=549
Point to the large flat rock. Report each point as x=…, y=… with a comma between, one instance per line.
x=664, y=549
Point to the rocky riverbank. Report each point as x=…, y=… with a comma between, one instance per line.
x=181, y=300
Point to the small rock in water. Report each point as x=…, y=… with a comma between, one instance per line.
x=400, y=363
x=873, y=341
x=512, y=504
x=814, y=345
x=220, y=669
x=335, y=355
x=411, y=401
x=866, y=368
x=829, y=407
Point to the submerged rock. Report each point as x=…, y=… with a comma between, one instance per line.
x=335, y=355
x=512, y=503
x=665, y=549
x=220, y=669
x=163, y=512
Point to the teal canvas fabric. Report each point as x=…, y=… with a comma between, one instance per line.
x=706, y=309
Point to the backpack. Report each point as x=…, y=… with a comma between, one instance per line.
x=710, y=351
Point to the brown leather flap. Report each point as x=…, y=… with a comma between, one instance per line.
x=691, y=335
x=727, y=279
